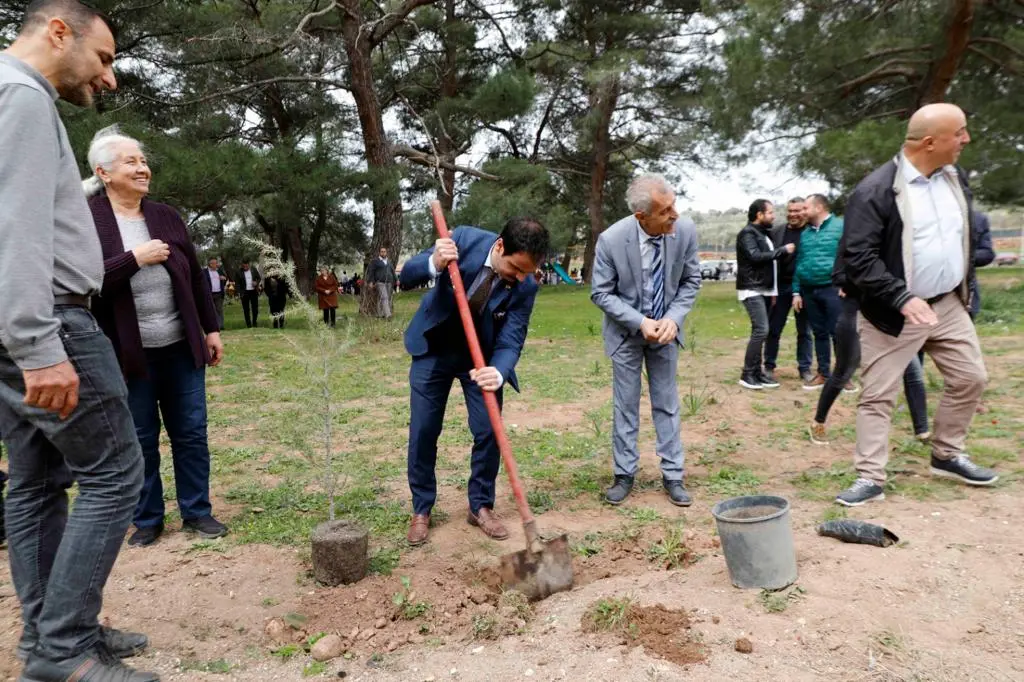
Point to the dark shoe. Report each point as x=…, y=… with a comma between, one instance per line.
x=751, y=381
x=487, y=521
x=962, y=469
x=815, y=383
x=146, y=536
x=861, y=492
x=677, y=494
x=120, y=643
x=620, y=490
x=97, y=665
x=208, y=527
x=419, y=529
x=768, y=379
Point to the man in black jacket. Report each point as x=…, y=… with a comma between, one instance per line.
x=796, y=220
x=381, y=274
x=909, y=258
x=757, y=285
x=249, y=286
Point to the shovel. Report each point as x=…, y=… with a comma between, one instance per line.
x=545, y=566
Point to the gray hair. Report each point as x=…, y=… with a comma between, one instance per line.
x=641, y=191
x=102, y=155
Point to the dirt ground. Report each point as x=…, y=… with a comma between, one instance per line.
x=946, y=603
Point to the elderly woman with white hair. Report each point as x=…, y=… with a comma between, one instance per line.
x=157, y=311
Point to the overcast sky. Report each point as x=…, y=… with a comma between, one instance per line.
x=738, y=188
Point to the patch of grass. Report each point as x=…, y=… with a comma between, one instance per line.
x=313, y=639
x=217, y=667
x=287, y=651
x=405, y=601
x=823, y=484
x=384, y=561
x=269, y=601
x=484, y=625
x=204, y=546
x=590, y=545
x=888, y=642
x=779, y=601
x=923, y=489
x=695, y=400
x=540, y=501
x=732, y=482
x=714, y=450
x=670, y=552
x=314, y=669
x=640, y=515
x=610, y=614
x=833, y=513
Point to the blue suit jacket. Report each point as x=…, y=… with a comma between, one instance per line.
x=503, y=324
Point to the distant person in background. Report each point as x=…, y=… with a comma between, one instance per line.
x=276, y=289
x=756, y=285
x=909, y=254
x=217, y=282
x=327, y=295
x=813, y=291
x=157, y=311
x=646, y=279
x=249, y=285
x=381, y=274
x=796, y=220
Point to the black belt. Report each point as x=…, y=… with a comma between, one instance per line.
x=72, y=299
x=935, y=299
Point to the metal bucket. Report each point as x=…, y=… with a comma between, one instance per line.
x=757, y=540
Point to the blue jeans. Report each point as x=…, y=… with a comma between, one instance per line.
x=59, y=561
x=777, y=318
x=757, y=310
x=823, y=308
x=175, y=389
x=430, y=381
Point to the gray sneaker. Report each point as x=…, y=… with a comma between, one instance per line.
x=861, y=492
x=962, y=469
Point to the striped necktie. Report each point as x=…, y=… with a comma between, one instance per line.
x=658, y=279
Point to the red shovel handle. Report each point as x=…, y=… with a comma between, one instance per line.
x=490, y=400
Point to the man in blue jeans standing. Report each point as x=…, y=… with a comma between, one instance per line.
x=813, y=290
x=790, y=233
x=63, y=404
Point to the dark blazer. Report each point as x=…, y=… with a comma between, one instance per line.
x=206, y=279
x=983, y=255
x=240, y=280
x=871, y=250
x=379, y=271
x=503, y=324
x=754, y=259
x=780, y=236
x=114, y=308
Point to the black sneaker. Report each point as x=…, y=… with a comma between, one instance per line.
x=767, y=378
x=145, y=536
x=620, y=490
x=861, y=492
x=751, y=380
x=120, y=643
x=962, y=469
x=207, y=527
x=97, y=665
x=677, y=494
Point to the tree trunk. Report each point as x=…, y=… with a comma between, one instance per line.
x=603, y=103
x=943, y=69
x=383, y=171
x=293, y=236
x=449, y=88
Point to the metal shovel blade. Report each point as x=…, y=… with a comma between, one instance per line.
x=539, y=574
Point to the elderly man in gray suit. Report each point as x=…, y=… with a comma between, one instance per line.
x=646, y=278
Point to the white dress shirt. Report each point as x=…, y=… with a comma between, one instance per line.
x=248, y=280
x=938, y=225
x=433, y=276
x=647, y=266
x=214, y=280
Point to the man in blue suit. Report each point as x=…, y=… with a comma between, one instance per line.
x=497, y=272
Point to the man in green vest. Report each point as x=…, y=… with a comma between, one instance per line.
x=812, y=282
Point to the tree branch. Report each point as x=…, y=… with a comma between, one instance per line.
x=382, y=27
x=886, y=70
x=432, y=161
x=999, y=43
x=243, y=88
x=301, y=27
x=993, y=60
x=507, y=134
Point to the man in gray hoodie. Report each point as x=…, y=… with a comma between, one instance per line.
x=63, y=404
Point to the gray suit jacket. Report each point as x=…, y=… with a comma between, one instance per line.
x=616, y=286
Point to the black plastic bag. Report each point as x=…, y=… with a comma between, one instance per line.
x=860, y=532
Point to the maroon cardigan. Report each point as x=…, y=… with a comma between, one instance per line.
x=114, y=308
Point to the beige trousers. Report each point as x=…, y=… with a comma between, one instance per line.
x=953, y=346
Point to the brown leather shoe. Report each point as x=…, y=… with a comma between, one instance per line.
x=488, y=522
x=419, y=529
